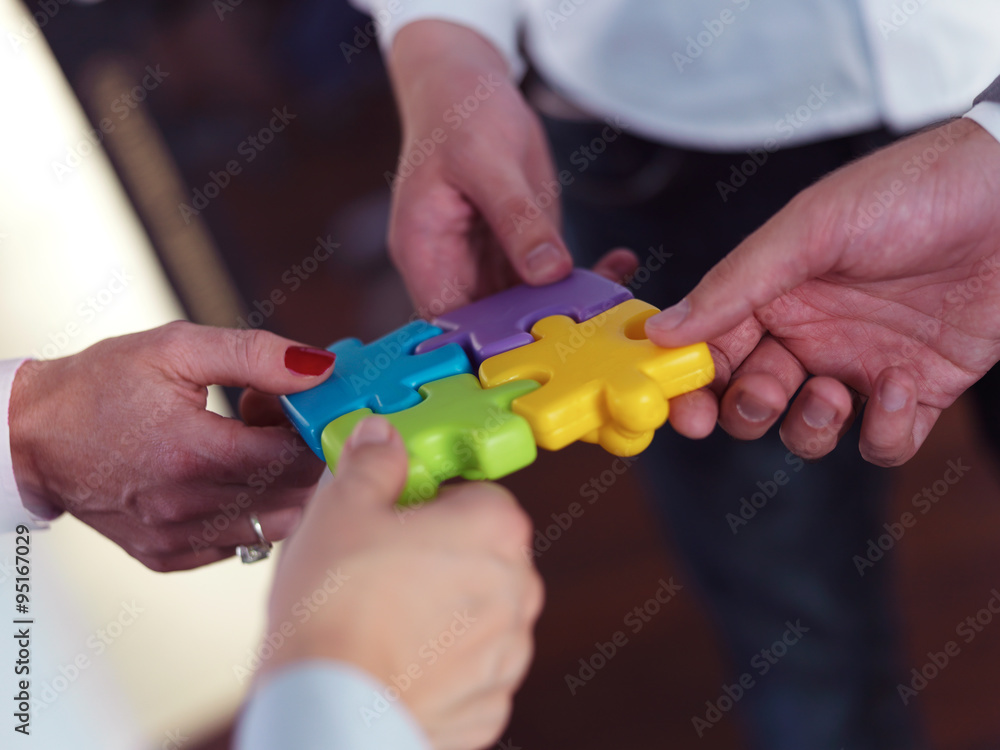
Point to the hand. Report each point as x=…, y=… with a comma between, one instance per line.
x=473, y=171
x=880, y=280
x=455, y=567
x=118, y=435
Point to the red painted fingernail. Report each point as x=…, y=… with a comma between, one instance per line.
x=305, y=360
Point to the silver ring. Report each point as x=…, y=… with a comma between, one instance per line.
x=251, y=553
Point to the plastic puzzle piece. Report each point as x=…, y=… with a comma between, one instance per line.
x=382, y=376
x=602, y=380
x=502, y=322
x=459, y=429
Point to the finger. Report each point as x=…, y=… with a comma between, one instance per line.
x=372, y=468
x=244, y=358
x=617, y=265
x=887, y=429
x=224, y=532
x=479, y=515
x=261, y=410
x=264, y=459
x=820, y=414
x=751, y=405
x=194, y=544
x=773, y=260
x=530, y=238
x=694, y=414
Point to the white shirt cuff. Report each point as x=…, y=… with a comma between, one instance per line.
x=494, y=20
x=12, y=510
x=326, y=705
x=987, y=114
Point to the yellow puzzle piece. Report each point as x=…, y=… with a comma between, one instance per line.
x=602, y=380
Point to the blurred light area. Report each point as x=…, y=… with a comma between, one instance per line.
x=76, y=267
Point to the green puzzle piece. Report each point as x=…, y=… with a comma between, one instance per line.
x=459, y=429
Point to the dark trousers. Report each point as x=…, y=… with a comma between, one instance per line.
x=767, y=539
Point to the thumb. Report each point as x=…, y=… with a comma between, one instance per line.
x=768, y=264
x=528, y=233
x=254, y=359
x=373, y=465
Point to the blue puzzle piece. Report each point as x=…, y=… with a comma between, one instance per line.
x=382, y=376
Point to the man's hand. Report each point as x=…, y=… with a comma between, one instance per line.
x=447, y=598
x=471, y=214
x=118, y=435
x=882, y=280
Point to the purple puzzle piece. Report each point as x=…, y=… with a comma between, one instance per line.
x=501, y=322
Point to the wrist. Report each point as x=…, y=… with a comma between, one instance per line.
x=26, y=421
x=428, y=54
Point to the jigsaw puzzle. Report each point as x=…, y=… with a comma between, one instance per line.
x=558, y=363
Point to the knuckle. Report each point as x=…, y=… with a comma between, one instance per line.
x=175, y=335
x=247, y=349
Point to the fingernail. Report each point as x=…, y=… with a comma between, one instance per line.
x=371, y=431
x=543, y=261
x=305, y=360
x=753, y=410
x=818, y=413
x=892, y=395
x=669, y=319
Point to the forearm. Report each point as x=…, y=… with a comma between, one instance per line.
x=427, y=55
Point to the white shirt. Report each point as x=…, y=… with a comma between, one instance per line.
x=326, y=706
x=732, y=74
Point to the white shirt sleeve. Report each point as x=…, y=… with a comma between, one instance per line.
x=987, y=114
x=12, y=510
x=495, y=20
x=324, y=705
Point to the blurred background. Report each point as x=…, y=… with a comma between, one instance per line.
x=119, y=120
